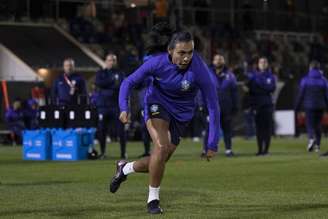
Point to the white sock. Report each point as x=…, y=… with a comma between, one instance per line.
x=128, y=168
x=153, y=194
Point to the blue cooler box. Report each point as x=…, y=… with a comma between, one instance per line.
x=70, y=144
x=36, y=144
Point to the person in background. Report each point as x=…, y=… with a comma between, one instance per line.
x=261, y=84
x=15, y=121
x=313, y=95
x=69, y=86
x=108, y=81
x=228, y=99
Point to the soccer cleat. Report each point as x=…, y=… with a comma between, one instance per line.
x=317, y=148
x=154, y=208
x=119, y=176
x=311, y=145
x=229, y=153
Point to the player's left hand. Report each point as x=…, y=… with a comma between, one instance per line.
x=210, y=154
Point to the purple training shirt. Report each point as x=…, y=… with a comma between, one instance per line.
x=175, y=90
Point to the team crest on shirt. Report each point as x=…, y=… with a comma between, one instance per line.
x=154, y=109
x=185, y=85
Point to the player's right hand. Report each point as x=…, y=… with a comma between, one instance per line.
x=124, y=117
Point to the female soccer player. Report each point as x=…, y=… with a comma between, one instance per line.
x=169, y=105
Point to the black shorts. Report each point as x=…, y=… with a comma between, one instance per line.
x=176, y=128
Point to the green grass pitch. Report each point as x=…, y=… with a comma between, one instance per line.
x=290, y=183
